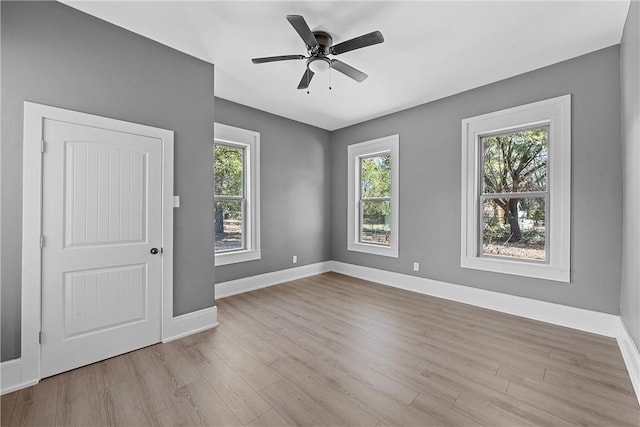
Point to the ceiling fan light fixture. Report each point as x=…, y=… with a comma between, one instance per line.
x=319, y=65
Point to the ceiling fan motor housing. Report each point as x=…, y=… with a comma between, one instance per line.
x=324, y=44
x=318, y=61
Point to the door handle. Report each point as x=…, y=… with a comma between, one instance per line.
x=154, y=251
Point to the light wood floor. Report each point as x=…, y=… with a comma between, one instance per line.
x=333, y=350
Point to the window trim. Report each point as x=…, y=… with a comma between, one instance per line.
x=354, y=153
x=250, y=141
x=556, y=112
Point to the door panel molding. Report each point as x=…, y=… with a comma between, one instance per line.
x=32, y=220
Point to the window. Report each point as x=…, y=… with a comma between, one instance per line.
x=373, y=196
x=236, y=194
x=516, y=180
x=515, y=193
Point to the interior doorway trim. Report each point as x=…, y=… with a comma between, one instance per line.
x=34, y=115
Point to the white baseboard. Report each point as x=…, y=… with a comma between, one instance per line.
x=191, y=323
x=557, y=314
x=12, y=378
x=238, y=286
x=631, y=357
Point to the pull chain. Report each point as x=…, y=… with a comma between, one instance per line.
x=307, y=73
x=329, y=77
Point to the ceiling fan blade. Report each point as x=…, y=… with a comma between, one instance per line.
x=276, y=58
x=306, y=79
x=348, y=70
x=300, y=25
x=357, y=43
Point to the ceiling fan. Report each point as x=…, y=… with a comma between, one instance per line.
x=319, y=46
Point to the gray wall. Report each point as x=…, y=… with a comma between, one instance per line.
x=430, y=150
x=55, y=55
x=294, y=190
x=630, y=84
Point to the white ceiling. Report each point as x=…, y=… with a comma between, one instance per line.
x=431, y=49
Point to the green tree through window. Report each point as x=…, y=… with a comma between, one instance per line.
x=228, y=172
x=375, y=198
x=514, y=193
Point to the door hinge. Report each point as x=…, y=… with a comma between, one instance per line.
x=42, y=145
x=41, y=242
x=161, y=250
x=40, y=337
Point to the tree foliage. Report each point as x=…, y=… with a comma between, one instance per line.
x=515, y=163
x=375, y=178
x=228, y=181
x=227, y=170
x=375, y=183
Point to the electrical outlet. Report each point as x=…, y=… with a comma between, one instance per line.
x=295, y=259
x=416, y=266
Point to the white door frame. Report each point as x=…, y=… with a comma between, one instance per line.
x=34, y=115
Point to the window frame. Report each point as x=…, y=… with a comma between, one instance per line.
x=249, y=141
x=356, y=152
x=556, y=114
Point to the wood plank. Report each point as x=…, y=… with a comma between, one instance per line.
x=466, y=379
x=111, y=373
x=572, y=405
x=197, y=404
x=78, y=399
x=8, y=402
x=120, y=406
x=150, y=379
x=36, y=405
x=439, y=415
x=504, y=410
x=269, y=419
x=604, y=389
x=243, y=401
x=255, y=373
x=179, y=363
x=379, y=402
x=296, y=406
x=344, y=408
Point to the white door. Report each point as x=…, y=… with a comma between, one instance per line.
x=102, y=224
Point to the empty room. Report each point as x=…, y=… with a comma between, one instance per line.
x=320, y=213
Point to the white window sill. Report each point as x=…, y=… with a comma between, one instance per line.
x=373, y=249
x=236, y=257
x=518, y=268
